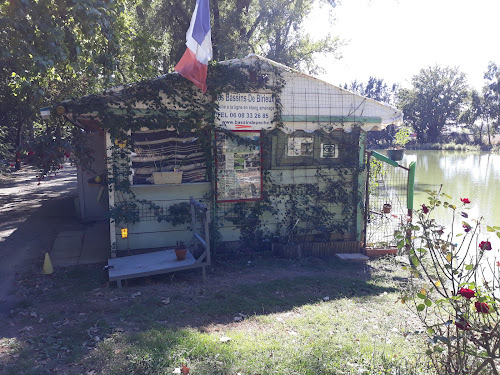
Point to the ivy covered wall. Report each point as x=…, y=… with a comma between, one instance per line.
x=311, y=182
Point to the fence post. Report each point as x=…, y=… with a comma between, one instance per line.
x=360, y=185
x=409, y=201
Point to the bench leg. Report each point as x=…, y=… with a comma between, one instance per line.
x=119, y=283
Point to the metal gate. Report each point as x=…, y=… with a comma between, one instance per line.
x=389, y=200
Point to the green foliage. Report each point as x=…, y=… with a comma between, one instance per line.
x=324, y=207
x=53, y=50
x=118, y=114
x=434, y=101
x=453, y=288
x=402, y=137
x=375, y=89
x=271, y=28
x=491, y=94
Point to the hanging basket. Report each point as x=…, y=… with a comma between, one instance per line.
x=396, y=154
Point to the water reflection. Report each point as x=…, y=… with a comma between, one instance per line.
x=473, y=175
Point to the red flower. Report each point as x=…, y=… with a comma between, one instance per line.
x=467, y=227
x=482, y=307
x=467, y=293
x=462, y=324
x=465, y=200
x=425, y=209
x=498, y=263
x=485, y=245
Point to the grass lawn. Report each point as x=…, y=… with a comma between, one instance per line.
x=263, y=316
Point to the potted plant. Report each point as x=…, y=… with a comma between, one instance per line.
x=180, y=250
x=167, y=177
x=401, y=138
x=165, y=174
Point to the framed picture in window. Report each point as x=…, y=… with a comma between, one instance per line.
x=238, y=166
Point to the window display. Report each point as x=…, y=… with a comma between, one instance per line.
x=238, y=166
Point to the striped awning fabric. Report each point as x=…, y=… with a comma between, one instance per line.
x=164, y=150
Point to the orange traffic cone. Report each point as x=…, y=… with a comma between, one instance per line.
x=47, y=265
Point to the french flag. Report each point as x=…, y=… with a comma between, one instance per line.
x=194, y=63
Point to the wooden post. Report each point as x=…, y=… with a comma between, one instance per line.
x=207, y=234
x=111, y=189
x=409, y=201
x=193, y=215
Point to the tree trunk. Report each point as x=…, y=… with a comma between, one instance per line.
x=216, y=29
x=489, y=133
x=481, y=134
x=19, y=141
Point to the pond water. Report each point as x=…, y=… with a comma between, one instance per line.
x=473, y=175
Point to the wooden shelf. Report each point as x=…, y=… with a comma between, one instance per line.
x=150, y=186
x=149, y=264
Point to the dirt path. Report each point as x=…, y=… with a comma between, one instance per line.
x=31, y=215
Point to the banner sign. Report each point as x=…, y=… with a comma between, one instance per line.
x=245, y=111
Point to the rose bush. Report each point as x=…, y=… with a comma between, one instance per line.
x=454, y=287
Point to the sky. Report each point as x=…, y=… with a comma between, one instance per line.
x=394, y=39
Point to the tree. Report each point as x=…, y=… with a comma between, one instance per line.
x=54, y=49
x=375, y=89
x=491, y=94
x=434, y=101
x=474, y=116
x=272, y=28
x=378, y=90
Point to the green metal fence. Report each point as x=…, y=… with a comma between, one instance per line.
x=389, y=199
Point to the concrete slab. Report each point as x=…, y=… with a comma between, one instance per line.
x=355, y=257
x=67, y=248
x=87, y=246
x=70, y=233
x=96, y=246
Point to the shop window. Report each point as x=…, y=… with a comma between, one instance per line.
x=238, y=166
x=166, y=151
x=308, y=149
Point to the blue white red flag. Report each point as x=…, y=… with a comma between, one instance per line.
x=194, y=63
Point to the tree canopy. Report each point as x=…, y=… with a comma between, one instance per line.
x=271, y=28
x=375, y=89
x=434, y=102
x=53, y=50
x=491, y=94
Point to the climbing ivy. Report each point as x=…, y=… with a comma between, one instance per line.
x=172, y=100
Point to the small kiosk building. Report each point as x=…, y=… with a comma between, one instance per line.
x=273, y=155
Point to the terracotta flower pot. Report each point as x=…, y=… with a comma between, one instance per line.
x=387, y=208
x=180, y=253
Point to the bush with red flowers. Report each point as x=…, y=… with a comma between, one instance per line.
x=454, y=296
x=482, y=307
x=485, y=245
x=467, y=293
